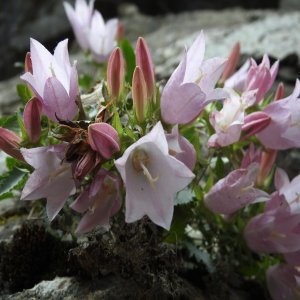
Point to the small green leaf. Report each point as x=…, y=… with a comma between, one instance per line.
x=24, y=92
x=129, y=57
x=22, y=127
x=10, y=180
x=130, y=133
x=116, y=123
x=185, y=196
x=210, y=181
x=85, y=81
x=10, y=122
x=219, y=169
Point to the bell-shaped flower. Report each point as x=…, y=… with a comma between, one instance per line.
x=277, y=230
x=100, y=201
x=255, y=122
x=235, y=191
x=254, y=77
x=181, y=148
x=102, y=37
x=152, y=177
x=229, y=120
x=115, y=73
x=53, y=80
x=284, y=129
x=283, y=282
x=10, y=143
x=139, y=94
x=52, y=177
x=80, y=18
x=192, y=85
x=32, y=119
x=104, y=139
x=143, y=60
x=290, y=189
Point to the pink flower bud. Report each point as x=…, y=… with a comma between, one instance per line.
x=32, y=119
x=28, y=63
x=232, y=62
x=139, y=94
x=9, y=143
x=144, y=61
x=115, y=73
x=279, y=92
x=85, y=164
x=268, y=158
x=255, y=122
x=104, y=139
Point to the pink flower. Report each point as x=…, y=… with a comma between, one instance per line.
x=32, y=119
x=51, y=179
x=229, y=120
x=254, y=77
x=283, y=282
x=252, y=155
x=102, y=37
x=10, y=143
x=152, y=177
x=235, y=191
x=54, y=80
x=80, y=19
x=276, y=230
x=104, y=139
x=181, y=148
x=192, y=85
x=99, y=201
x=284, y=128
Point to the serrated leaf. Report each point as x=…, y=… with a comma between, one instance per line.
x=24, y=92
x=129, y=57
x=185, y=196
x=200, y=256
x=10, y=180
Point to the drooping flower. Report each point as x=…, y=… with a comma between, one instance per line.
x=235, y=191
x=102, y=37
x=283, y=282
x=104, y=139
x=32, y=119
x=192, y=85
x=51, y=179
x=284, y=128
x=276, y=230
x=10, y=143
x=228, y=122
x=80, y=18
x=152, y=177
x=53, y=80
x=99, y=201
x=181, y=148
x=254, y=77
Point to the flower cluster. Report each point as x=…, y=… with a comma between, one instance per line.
x=143, y=143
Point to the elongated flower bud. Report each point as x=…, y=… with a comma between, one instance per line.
x=139, y=94
x=32, y=119
x=266, y=163
x=279, y=92
x=144, y=61
x=104, y=139
x=232, y=62
x=115, y=73
x=28, y=63
x=9, y=143
x=256, y=122
x=85, y=164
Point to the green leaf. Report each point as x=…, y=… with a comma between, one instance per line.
x=10, y=122
x=130, y=133
x=24, y=92
x=11, y=180
x=210, y=181
x=85, y=81
x=129, y=57
x=185, y=196
x=116, y=123
x=219, y=169
x=22, y=127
